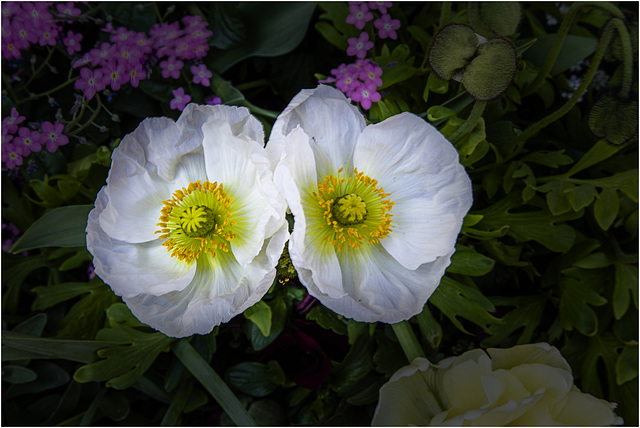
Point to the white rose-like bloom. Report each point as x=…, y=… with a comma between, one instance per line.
x=529, y=385
x=377, y=208
x=189, y=228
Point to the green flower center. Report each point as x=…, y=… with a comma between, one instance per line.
x=196, y=221
x=349, y=210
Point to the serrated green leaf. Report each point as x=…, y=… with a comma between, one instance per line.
x=356, y=364
x=597, y=153
x=327, y=319
x=552, y=159
x=458, y=300
x=332, y=35
x=526, y=315
x=119, y=365
x=627, y=364
x=581, y=196
x=260, y=315
x=32, y=326
x=17, y=374
x=626, y=281
x=606, y=208
x=467, y=261
x=575, y=304
x=595, y=260
x=60, y=227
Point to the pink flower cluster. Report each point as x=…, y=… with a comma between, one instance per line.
x=359, y=81
x=361, y=13
x=20, y=141
x=129, y=55
x=34, y=23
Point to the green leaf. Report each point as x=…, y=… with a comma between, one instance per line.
x=202, y=371
x=328, y=319
x=48, y=376
x=32, y=326
x=251, y=378
x=356, y=364
x=272, y=29
x=430, y=329
x=581, y=196
x=626, y=280
x=17, y=374
x=226, y=25
x=332, y=35
x=574, y=308
x=606, y=208
x=226, y=91
x=627, y=364
x=20, y=346
x=278, y=319
x=458, y=300
x=600, y=151
x=398, y=72
x=526, y=315
x=260, y=315
x=574, y=49
x=60, y=227
x=122, y=365
x=467, y=261
x=133, y=15
x=540, y=225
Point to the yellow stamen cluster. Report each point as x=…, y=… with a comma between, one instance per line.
x=196, y=220
x=354, y=210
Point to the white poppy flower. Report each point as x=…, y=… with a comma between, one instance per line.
x=377, y=208
x=189, y=228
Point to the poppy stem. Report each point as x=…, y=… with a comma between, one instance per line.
x=408, y=341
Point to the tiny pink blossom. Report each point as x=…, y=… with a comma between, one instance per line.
x=359, y=15
x=135, y=74
x=213, y=100
x=52, y=136
x=72, y=42
x=359, y=46
x=114, y=75
x=11, y=155
x=171, y=67
x=348, y=83
x=365, y=95
x=371, y=74
x=180, y=100
x=10, y=123
x=67, y=9
x=381, y=6
x=387, y=27
x=201, y=74
x=28, y=141
x=90, y=82
x=47, y=36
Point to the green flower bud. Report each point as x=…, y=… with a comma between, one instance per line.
x=492, y=19
x=451, y=50
x=492, y=70
x=614, y=117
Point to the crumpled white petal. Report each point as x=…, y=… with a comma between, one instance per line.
x=321, y=132
x=220, y=144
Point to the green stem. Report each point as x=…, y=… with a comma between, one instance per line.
x=567, y=22
x=408, y=341
x=49, y=92
x=627, y=71
x=514, y=145
x=250, y=85
x=258, y=110
x=35, y=73
x=470, y=123
x=212, y=382
x=90, y=121
x=445, y=11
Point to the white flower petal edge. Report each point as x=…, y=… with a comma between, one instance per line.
x=403, y=158
x=159, y=168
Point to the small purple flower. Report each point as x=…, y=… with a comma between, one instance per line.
x=52, y=136
x=359, y=15
x=180, y=100
x=114, y=75
x=387, y=27
x=380, y=6
x=28, y=141
x=10, y=123
x=171, y=67
x=201, y=74
x=348, y=83
x=11, y=155
x=365, y=95
x=135, y=74
x=212, y=100
x=370, y=74
x=359, y=46
x=72, y=42
x=90, y=82
x=67, y=9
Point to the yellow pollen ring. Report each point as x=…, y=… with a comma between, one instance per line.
x=354, y=210
x=196, y=220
